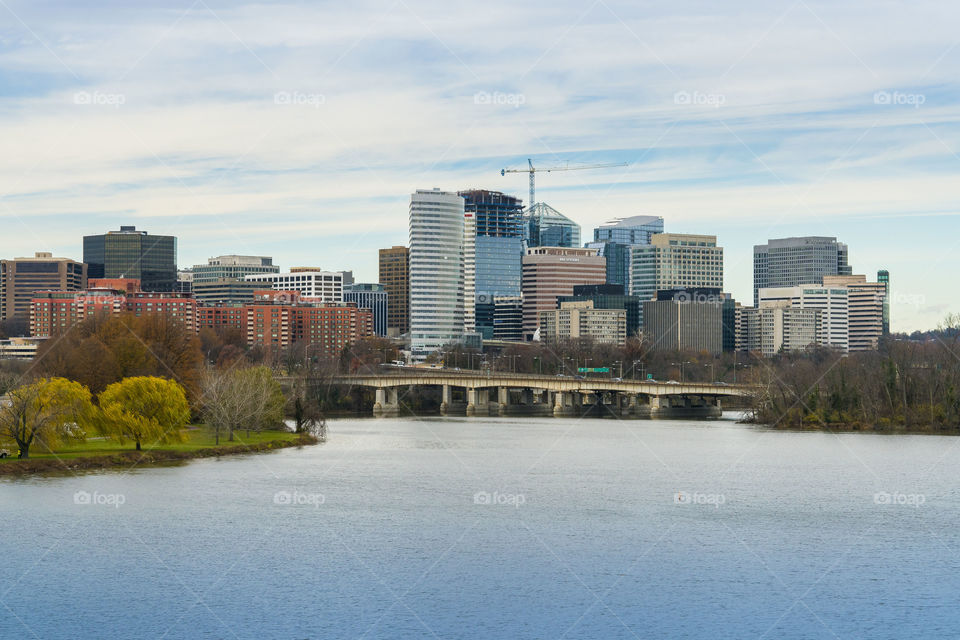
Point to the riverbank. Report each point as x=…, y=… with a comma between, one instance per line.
x=101, y=455
x=857, y=427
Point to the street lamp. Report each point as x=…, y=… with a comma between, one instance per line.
x=680, y=364
x=713, y=377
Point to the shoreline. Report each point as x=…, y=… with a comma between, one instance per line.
x=844, y=427
x=33, y=466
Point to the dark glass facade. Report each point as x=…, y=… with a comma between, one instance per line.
x=499, y=249
x=129, y=253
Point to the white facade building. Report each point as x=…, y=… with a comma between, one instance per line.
x=436, y=271
x=324, y=286
x=831, y=301
x=469, y=271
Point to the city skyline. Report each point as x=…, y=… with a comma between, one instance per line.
x=274, y=145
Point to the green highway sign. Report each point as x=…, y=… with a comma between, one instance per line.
x=593, y=370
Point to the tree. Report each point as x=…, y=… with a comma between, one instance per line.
x=144, y=408
x=104, y=349
x=47, y=411
x=236, y=399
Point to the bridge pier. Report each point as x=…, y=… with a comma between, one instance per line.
x=387, y=402
x=449, y=405
x=686, y=406
x=478, y=401
x=446, y=399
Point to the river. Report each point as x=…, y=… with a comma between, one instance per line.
x=499, y=528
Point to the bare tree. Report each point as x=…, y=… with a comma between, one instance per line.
x=241, y=399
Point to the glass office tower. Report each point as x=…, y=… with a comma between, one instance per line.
x=883, y=277
x=544, y=226
x=498, y=251
x=614, y=238
x=129, y=253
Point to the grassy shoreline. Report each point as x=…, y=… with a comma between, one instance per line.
x=104, y=454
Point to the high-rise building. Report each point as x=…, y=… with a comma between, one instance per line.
x=395, y=278
x=498, y=248
x=544, y=226
x=311, y=282
x=675, y=261
x=883, y=276
x=233, y=266
x=683, y=320
x=866, y=306
x=614, y=239
x=129, y=253
x=607, y=296
x=508, y=318
x=581, y=320
x=549, y=272
x=436, y=271
x=20, y=278
x=373, y=297
x=788, y=262
x=831, y=301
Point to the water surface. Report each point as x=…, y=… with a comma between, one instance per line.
x=501, y=528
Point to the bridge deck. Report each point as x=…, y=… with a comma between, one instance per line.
x=478, y=380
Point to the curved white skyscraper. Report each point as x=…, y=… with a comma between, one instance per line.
x=436, y=270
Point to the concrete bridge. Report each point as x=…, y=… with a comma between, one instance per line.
x=475, y=393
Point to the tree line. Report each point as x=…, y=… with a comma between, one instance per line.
x=231, y=387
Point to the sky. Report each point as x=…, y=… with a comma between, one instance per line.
x=299, y=129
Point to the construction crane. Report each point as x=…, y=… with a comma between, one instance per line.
x=533, y=171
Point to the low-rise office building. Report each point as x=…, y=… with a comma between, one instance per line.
x=831, y=301
x=582, y=320
x=608, y=296
x=21, y=348
x=311, y=282
x=777, y=329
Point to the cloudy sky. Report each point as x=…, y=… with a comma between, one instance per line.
x=299, y=129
